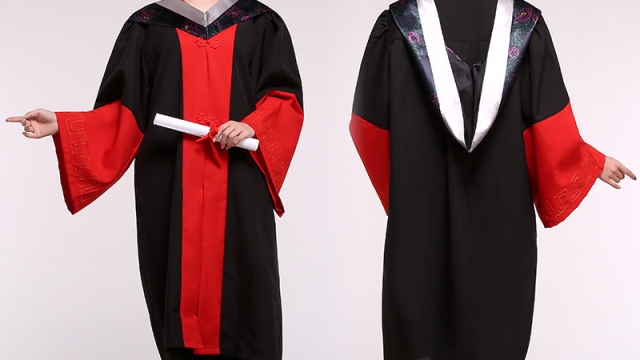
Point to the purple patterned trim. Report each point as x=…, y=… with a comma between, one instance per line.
x=146, y=15
x=525, y=18
x=407, y=17
x=243, y=10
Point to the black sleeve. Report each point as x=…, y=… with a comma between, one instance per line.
x=371, y=100
x=273, y=64
x=126, y=78
x=562, y=166
x=95, y=148
x=278, y=117
x=546, y=93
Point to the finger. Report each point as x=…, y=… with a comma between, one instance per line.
x=230, y=136
x=229, y=142
x=31, y=135
x=612, y=183
x=618, y=174
x=31, y=128
x=37, y=131
x=223, y=140
x=236, y=140
x=33, y=114
x=226, y=127
x=227, y=132
x=243, y=135
x=626, y=171
x=228, y=124
x=28, y=124
x=15, y=119
x=233, y=133
x=238, y=136
x=221, y=129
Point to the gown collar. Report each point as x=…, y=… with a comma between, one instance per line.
x=182, y=16
x=448, y=97
x=514, y=22
x=195, y=15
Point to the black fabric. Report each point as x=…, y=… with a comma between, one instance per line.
x=371, y=100
x=469, y=81
x=541, y=73
x=206, y=357
x=265, y=62
x=118, y=84
x=253, y=318
x=460, y=253
x=145, y=73
x=479, y=15
x=468, y=51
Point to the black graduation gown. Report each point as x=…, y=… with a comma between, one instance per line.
x=206, y=230
x=460, y=252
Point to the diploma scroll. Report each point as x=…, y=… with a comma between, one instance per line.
x=194, y=129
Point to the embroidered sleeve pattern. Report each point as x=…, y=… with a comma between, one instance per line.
x=277, y=122
x=562, y=167
x=94, y=150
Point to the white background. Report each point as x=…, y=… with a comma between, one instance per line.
x=69, y=286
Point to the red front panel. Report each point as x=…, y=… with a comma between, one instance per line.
x=207, y=71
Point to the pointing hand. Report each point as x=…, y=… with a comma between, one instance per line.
x=37, y=124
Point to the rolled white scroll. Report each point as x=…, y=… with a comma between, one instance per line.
x=194, y=129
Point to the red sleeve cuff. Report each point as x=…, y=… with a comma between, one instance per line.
x=94, y=150
x=562, y=167
x=373, y=145
x=277, y=122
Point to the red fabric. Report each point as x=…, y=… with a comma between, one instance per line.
x=277, y=122
x=562, y=167
x=94, y=150
x=372, y=144
x=207, y=95
x=209, y=139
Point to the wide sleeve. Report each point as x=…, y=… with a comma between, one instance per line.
x=562, y=166
x=278, y=117
x=369, y=125
x=95, y=148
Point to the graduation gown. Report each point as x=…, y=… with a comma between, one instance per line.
x=459, y=178
x=206, y=230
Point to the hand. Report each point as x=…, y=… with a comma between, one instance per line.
x=232, y=132
x=37, y=124
x=614, y=172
